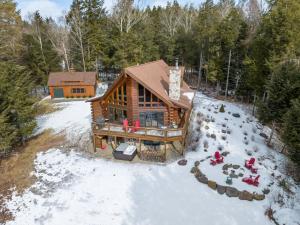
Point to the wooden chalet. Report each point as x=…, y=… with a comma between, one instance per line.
x=72, y=84
x=153, y=94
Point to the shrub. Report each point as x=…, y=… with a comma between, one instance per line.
x=222, y=110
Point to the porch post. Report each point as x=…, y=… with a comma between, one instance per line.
x=94, y=142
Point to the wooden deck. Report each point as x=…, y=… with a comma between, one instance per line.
x=143, y=133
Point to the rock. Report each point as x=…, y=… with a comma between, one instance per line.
x=223, y=125
x=225, y=172
x=263, y=135
x=258, y=197
x=206, y=127
x=233, y=175
x=236, y=167
x=224, y=131
x=266, y=191
x=241, y=175
x=202, y=179
x=212, y=184
x=205, y=150
x=237, y=115
x=232, y=192
x=194, y=169
x=223, y=137
x=225, y=153
x=208, y=157
x=245, y=195
x=221, y=189
x=213, y=136
x=226, y=166
x=197, y=163
x=182, y=162
x=202, y=160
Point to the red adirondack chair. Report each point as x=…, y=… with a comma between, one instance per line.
x=251, y=181
x=218, y=159
x=137, y=126
x=125, y=124
x=249, y=164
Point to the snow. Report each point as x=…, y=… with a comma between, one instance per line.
x=73, y=119
x=189, y=95
x=73, y=188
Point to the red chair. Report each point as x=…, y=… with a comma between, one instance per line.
x=249, y=164
x=137, y=126
x=125, y=124
x=218, y=159
x=251, y=181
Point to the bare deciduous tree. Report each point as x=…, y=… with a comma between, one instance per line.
x=188, y=14
x=77, y=32
x=126, y=14
x=59, y=36
x=170, y=19
x=36, y=31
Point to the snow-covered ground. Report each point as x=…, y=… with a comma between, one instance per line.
x=73, y=188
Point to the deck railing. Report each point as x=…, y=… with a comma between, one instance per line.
x=163, y=134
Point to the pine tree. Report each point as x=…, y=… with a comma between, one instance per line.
x=291, y=130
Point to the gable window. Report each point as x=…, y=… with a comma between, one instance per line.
x=119, y=96
x=147, y=99
x=78, y=90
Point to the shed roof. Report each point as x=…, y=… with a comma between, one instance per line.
x=155, y=77
x=72, y=78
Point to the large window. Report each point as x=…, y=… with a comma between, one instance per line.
x=152, y=119
x=147, y=99
x=116, y=114
x=78, y=90
x=119, y=96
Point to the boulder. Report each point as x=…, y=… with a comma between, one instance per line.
x=213, y=136
x=182, y=162
x=225, y=153
x=225, y=172
x=232, y=192
x=237, y=115
x=194, y=169
x=263, y=135
x=236, y=167
x=245, y=195
x=197, y=163
x=221, y=189
x=226, y=166
x=266, y=191
x=202, y=179
x=258, y=197
x=212, y=184
x=233, y=175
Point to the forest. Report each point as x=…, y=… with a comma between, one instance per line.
x=248, y=49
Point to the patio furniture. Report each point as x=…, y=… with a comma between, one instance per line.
x=125, y=152
x=249, y=164
x=251, y=181
x=218, y=159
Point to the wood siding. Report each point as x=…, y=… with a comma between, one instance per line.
x=90, y=91
x=171, y=114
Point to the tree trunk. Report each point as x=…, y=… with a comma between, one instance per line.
x=200, y=72
x=272, y=132
x=228, y=69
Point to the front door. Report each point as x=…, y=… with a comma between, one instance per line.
x=152, y=119
x=58, y=92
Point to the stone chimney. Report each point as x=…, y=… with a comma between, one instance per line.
x=175, y=82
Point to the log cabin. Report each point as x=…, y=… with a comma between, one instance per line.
x=72, y=84
x=155, y=104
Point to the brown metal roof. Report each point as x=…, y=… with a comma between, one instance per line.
x=72, y=78
x=155, y=77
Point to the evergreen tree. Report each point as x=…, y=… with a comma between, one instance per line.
x=291, y=130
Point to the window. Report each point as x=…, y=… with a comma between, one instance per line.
x=152, y=119
x=116, y=114
x=147, y=99
x=78, y=90
x=119, y=96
